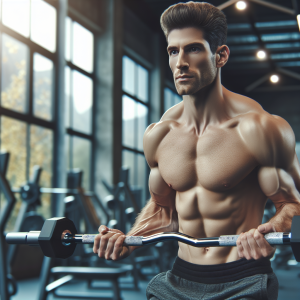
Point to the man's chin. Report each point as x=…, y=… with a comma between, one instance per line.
x=186, y=91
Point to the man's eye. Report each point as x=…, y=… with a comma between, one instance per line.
x=194, y=49
x=173, y=52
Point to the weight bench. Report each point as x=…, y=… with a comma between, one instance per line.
x=88, y=274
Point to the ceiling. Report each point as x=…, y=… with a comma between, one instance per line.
x=257, y=27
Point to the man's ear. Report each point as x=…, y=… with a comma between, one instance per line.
x=222, y=55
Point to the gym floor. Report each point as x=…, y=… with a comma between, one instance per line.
x=289, y=287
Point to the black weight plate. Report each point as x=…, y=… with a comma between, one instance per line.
x=295, y=240
x=50, y=238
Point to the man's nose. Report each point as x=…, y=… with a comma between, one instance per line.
x=181, y=61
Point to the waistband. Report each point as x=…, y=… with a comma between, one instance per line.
x=221, y=273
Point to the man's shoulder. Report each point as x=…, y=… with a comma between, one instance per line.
x=173, y=113
x=269, y=137
x=253, y=117
x=264, y=124
x=155, y=132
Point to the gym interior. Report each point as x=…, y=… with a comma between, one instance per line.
x=81, y=80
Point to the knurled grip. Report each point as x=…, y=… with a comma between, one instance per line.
x=88, y=239
x=133, y=241
x=273, y=238
x=228, y=240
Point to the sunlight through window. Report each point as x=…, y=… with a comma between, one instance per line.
x=15, y=15
x=83, y=47
x=43, y=24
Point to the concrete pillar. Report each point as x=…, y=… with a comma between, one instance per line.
x=108, y=93
x=59, y=166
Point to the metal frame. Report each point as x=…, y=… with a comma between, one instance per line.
x=264, y=3
x=271, y=63
x=261, y=80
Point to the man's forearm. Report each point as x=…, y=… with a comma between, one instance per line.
x=153, y=219
x=282, y=221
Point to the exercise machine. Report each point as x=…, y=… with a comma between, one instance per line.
x=6, y=280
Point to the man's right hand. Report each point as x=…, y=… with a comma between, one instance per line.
x=109, y=244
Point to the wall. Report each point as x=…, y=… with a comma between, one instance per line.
x=282, y=103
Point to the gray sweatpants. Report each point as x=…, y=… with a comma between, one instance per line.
x=167, y=286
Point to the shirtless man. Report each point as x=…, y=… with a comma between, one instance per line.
x=215, y=158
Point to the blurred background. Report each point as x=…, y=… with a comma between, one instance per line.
x=80, y=82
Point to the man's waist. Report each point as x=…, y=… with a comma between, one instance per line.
x=220, y=273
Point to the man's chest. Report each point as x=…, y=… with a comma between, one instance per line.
x=217, y=161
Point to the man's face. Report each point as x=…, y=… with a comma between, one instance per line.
x=191, y=60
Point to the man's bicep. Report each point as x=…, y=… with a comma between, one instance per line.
x=159, y=215
x=160, y=192
x=279, y=185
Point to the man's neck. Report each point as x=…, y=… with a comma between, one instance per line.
x=205, y=108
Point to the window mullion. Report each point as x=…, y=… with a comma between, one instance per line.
x=31, y=83
x=27, y=151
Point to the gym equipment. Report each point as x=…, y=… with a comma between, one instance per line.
x=89, y=274
x=31, y=190
x=59, y=234
x=77, y=199
x=84, y=207
x=125, y=208
x=6, y=279
x=27, y=220
x=125, y=201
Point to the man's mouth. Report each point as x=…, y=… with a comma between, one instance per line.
x=183, y=77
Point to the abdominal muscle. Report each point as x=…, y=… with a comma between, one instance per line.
x=202, y=213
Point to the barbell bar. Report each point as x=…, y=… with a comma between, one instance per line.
x=60, y=233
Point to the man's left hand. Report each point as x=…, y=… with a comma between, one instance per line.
x=252, y=244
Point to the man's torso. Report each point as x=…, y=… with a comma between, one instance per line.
x=215, y=179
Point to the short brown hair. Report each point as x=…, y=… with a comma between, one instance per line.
x=200, y=15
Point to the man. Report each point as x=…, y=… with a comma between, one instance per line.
x=215, y=158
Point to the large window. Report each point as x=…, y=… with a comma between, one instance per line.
x=135, y=122
x=28, y=45
x=170, y=98
x=79, y=82
x=28, y=54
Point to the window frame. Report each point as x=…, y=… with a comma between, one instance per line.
x=70, y=132
x=27, y=116
x=148, y=105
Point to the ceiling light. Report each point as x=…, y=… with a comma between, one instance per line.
x=261, y=54
x=241, y=5
x=298, y=19
x=274, y=78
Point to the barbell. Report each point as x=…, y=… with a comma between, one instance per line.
x=58, y=238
